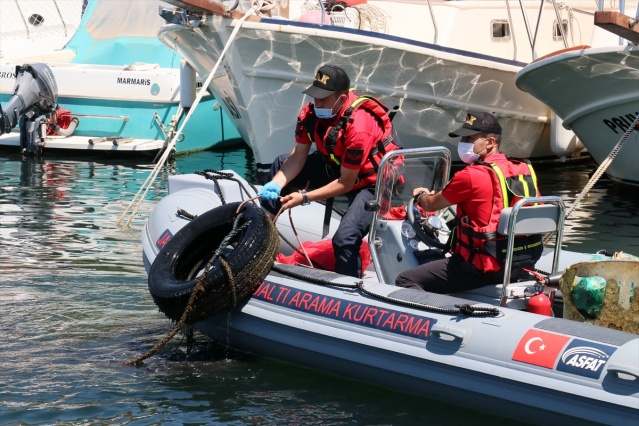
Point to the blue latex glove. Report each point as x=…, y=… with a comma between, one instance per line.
x=270, y=191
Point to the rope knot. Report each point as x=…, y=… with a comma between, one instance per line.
x=465, y=309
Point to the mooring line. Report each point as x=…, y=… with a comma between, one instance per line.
x=146, y=186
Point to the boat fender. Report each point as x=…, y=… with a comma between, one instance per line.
x=187, y=85
x=69, y=130
x=540, y=304
x=62, y=123
x=563, y=142
x=248, y=243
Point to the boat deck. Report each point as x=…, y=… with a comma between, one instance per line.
x=87, y=145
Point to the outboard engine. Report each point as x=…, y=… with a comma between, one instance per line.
x=35, y=94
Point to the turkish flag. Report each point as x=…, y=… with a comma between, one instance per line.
x=540, y=348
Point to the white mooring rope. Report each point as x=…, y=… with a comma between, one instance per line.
x=141, y=194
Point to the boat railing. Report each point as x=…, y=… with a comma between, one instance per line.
x=124, y=118
x=532, y=35
x=45, y=19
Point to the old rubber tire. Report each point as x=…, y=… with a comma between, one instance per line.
x=250, y=255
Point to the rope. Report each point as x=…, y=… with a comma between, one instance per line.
x=262, y=7
x=199, y=289
x=216, y=175
x=300, y=248
x=135, y=203
x=603, y=166
x=600, y=170
x=170, y=133
x=184, y=213
x=299, y=241
x=466, y=309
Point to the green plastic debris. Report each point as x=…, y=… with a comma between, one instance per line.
x=588, y=295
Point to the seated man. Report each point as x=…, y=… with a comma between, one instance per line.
x=478, y=191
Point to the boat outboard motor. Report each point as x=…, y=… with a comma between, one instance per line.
x=35, y=94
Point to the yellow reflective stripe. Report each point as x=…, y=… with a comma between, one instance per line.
x=502, y=183
x=522, y=179
x=335, y=159
x=524, y=247
x=534, y=178
x=359, y=101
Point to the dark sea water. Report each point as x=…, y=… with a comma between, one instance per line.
x=74, y=303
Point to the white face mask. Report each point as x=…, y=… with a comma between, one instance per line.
x=466, y=153
x=325, y=113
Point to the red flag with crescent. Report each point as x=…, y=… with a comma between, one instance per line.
x=540, y=348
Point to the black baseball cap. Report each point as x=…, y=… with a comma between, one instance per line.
x=328, y=80
x=478, y=122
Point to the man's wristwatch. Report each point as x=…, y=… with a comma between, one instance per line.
x=305, y=201
x=418, y=196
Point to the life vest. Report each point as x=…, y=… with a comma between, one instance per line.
x=330, y=141
x=481, y=245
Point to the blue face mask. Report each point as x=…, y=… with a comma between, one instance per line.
x=325, y=113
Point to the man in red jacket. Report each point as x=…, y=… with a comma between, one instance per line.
x=477, y=190
x=352, y=134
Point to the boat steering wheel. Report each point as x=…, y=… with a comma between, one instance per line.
x=428, y=238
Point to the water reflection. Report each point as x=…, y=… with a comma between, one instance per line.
x=605, y=218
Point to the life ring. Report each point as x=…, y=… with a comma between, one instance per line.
x=250, y=255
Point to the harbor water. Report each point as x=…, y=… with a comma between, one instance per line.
x=75, y=305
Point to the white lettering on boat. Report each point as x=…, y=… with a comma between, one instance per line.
x=586, y=362
x=585, y=358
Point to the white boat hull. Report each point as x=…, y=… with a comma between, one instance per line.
x=132, y=106
x=434, y=78
x=596, y=93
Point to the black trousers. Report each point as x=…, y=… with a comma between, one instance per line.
x=448, y=275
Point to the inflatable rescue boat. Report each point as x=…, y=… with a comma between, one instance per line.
x=503, y=348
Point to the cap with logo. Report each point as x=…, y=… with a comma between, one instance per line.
x=477, y=122
x=328, y=80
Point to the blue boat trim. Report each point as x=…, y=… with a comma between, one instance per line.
x=585, y=359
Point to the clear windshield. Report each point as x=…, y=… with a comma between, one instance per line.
x=399, y=173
